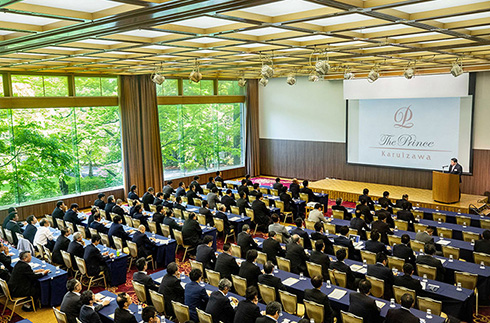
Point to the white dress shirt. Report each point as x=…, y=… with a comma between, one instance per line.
x=42, y=236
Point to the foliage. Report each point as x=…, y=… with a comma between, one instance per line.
x=204, y=87
x=169, y=87
x=32, y=85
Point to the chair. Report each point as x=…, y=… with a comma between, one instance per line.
x=353, y=231
x=185, y=215
x=267, y=202
x=140, y=291
x=329, y=228
x=446, y=233
x=279, y=237
x=417, y=245
x=197, y=202
x=463, y=220
x=313, y=269
x=60, y=223
x=428, y=303
x=206, y=191
x=338, y=278
x=203, y=316
x=213, y=277
x=304, y=197
x=10, y=237
x=201, y=218
x=419, y=227
x=71, y=226
x=240, y=284
x=485, y=224
x=60, y=316
x=470, y=236
x=185, y=199
x=158, y=301
x=289, y=302
x=468, y=281
x=153, y=208
x=378, y=286
x=429, y=271
x=181, y=311
x=393, y=239
x=92, y=231
x=250, y=213
x=481, y=257
x=264, y=191
x=112, y=214
x=350, y=318
x=129, y=220
x=48, y=255
x=136, y=223
x=196, y=265
x=261, y=257
x=50, y=220
x=82, y=267
x=118, y=243
x=105, y=239
x=448, y=250
x=165, y=230
x=396, y=209
x=40, y=249
x=283, y=264
x=369, y=257
x=398, y=292
x=337, y=248
x=133, y=252
x=178, y=213
x=337, y=214
x=235, y=210
x=274, y=192
x=267, y=293
x=152, y=226
x=251, y=198
x=395, y=262
x=439, y=217
x=103, y=215
x=180, y=242
x=15, y=300
x=67, y=260
x=220, y=227
x=401, y=225
x=310, y=225
x=314, y=310
x=236, y=251
x=287, y=214
x=81, y=229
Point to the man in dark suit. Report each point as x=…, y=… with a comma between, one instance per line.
x=191, y=231
x=404, y=251
x=142, y=277
x=407, y=281
x=339, y=207
x=30, y=229
x=277, y=185
x=95, y=260
x=261, y=212
x=318, y=257
x=158, y=218
x=195, y=296
x=365, y=210
x=382, y=227
x=71, y=303
x=483, y=245
x=365, y=196
x=98, y=225
x=384, y=210
x=359, y=224
x=87, y=311
x=207, y=213
x=255, y=190
x=117, y=209
x=245, y=240
x=316, y=295
x=248, y=181
x=205, y=253
x=196, y=184
x=226, y=264
x=249, y=270
x=6, y=261
x=289, y=205
x=228, y=200
x=58, y=212
x=62, y=243
x=219, y=178
x=272, y=247
x=247, y=309
x=381, y=271
x=406, y=215
x=158, y=199
x=340, y=265
x=455, y=168
x=146, y=247
x=168, y=189
x=302, y=233
x=307, y=190
x=362, y=305
x=76, y=248
x=180, y=191
x=167, y=202
x=373, y=245
x=173, y=225
x=267, y=278
x=117, y=230
x=133, y=193
x=220, y=214
x=297, y=256
x=171, y=288
x=319, y=235
x=386, y=199
x=210, y=184
x=178, y=204
x=244, y=188
x=344, y=241
x=242, y=203
x=272, y=312
x=399, y=203
x=191, y=194
x=72, y=215
x=429, y=260
x=13, y=226
x=402, y=314
x=148, y=198
x=219, y=305
x=99, y=202
x=294, y=188
x=109, y=207
x=122, y=314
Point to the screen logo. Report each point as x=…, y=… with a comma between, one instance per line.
x=402, y=118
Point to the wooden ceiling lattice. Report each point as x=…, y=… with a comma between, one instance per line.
x=229, y=37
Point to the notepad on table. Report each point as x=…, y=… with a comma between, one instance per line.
x=15, y=260
x=443, y=242
x=235, y=218
x=159, y=280
x=380, y=304
x=290, y=281
x=337, y=294
x=442, y=260
x=111, y=316
x=182, y=284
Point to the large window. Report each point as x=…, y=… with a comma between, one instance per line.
x=46, y=153
x=95, y=86
x=39, y=85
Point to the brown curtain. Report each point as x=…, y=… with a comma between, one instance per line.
x=252, y=150
x=140, y=133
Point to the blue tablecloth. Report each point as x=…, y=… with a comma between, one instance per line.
x=235, y=219
x=457, y=229
x=206, y=230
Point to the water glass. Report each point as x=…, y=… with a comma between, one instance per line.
x=472, y=242
x=458, y=288
x=44, y=264
x=396, y=228
x=482, y=265
x=429, y=314
x=301, y=276
x=442, y=236
x=329, y=284
x=182, y=275
x=450, y=258
x=364, y=263
x=140, y=309
x=392, y=302
x=276, y=270
x=57, y=269
x=424, y=278
x=395, y=271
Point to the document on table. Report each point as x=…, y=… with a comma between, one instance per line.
x=34, y=265
x=235, y=218
x=337, y=294
x=182, y=284
x=443, y=242
x=442, y=260
x=380, y=304
x=358, y=269
x=159, y=280
x=290, y=281
x=15, y=260
x=423, y=284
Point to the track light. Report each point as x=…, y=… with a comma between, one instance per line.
x=291, y=80
x=242, y=82
x=348, y=75
x=373, y=75
x=157, y=77
x=313, y=77
x=263, y=81
x=456, y=69
x=195, y=75
x=322, y=67
x=267, y=71
x=409, y=73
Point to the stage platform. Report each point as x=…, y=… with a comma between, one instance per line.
x=350, y=191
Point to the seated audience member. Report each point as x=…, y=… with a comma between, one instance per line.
x=318, y=257
x=158, y=217
x=245, y=240
x=386, y=199
x=90, y=219
x=242, y=203
x=122, y=314
x=98, y=225
x=204, y=210
x=296, y=255
x=58, y=212
x=62, y=243
x=272, y=312
x=170, y=221
x=272, y=247
x=403, y=314
x=148, y=198
x=158, y=199
x=88, y=313
x=118, y=209
x=228, y=201
x=99, y=202
x=219, y=305
x=317, y=296
x=255, y=190
x=191, y=195
x=72, y=215
x=111, y=203
x=178, y=204
x=138, y=215
x=316, y=215
x=195, y=295
x=262, y=212
x=247, y=309
x=339, y=207
x=365, y=211
x=95, y=261
x=44, y=236
x=76, y=248
x=220, y=214
x=380, y=270
x=196, y=184
x=382, y=227
x=211, y=184
x=191, y=231
x=278, y=228
x=117, y=230
x=149, y=315
x=429, y=260
x=249, y=270
x=359, y=224
x=244, y=187
x=344, y=241
x=289, y=205
x=407, y=216
x=404, y=251
x=30, y=229
x=219, y=178
x=146, y=247
x=171, y=288
x=226, y=264
x=407, y=281
x=71, y=304
x=384, y=210
x=483, y=245
x=373, y=245
x=426, y=235
x=205, y=253
x=142, y=277
x=213, y=198
x=167, y=202
x=307, y=190
x=133, y=193
x=180, y=191
x=6, y=262
x=168, y=189
x=13, y=226
x=24, y=281
x=294, y=188
x=399, y=203
x=362, y=305
x=268, y=278
x=248, y=181
x=277, y=185
x=319, y=235
x=365, y=196
x=302, y=233
x=132, y=209
x=340, y=265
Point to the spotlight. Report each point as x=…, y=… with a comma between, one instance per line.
x=158, y=78
x=242, y=82
x=267, y=71
x=409, y=73
x=291, y=80
x=263, y=81
x=195, y=75
x=313, y=77
x=348, y=75
x=456, y=69
x=373, y=76
x=322, y=67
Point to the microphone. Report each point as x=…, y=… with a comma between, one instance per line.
x=444, y=166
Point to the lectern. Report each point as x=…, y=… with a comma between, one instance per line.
x=445, y=187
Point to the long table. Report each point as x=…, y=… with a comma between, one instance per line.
x=236, y=220
x=451, y=216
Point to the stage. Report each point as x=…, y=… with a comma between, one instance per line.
x=350, y=191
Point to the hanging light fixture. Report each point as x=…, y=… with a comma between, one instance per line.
x=291, y=80
x=264, y=81
x=348, y=75
x=409, y=72
x=457, y=68
x=157, y=76
x=313, y=77
x=242, y=82
x=195, y=75
x=373, y=75
x=322, y=67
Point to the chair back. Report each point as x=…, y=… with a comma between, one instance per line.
x=304, y=197
x=279, y=237
x=236, y=251
x=60, y=316
x=314, y=269
x=329, y=228
x=129, y=220
x=250, y=213
x=219, y=205
x=485, y=224
x=81, y=229
x=112, y=214
x=235, y=209
x=185, y=215
x=446, y=232
x=429, y=303
x=185, y=199
x=337, y=248
x=82, y=267
x=378, y=286
x=140, y=291
x=338, y=214
x=5, y=289
x=203, y=316
x=467, y=280
x=196, y=265
x=152, y=226
x=261, y=257
x=481, y=257
x=50, y=220
x=133, y=249
x=418, y=227
x=396, y=209
x=395, y=262
x=401, y=225
x=469, y=236
x=430, y=271
x=369, y=257
x=338, y=278
x=105, y=239
x=399, y=291
x=267, y=293
x=178, y=213
x=283, y=264
x=60, y=223
x=206, y=191
x=310, y=225
x=240, y=284
x=280, y=205
x=289, y=302
x=197, y=202
x=350, y=318
x=158, y=301
x=353, y=231
x=314, y=310
x=219, y=184
x=41, y=251
x=66, y=259
x=71, y=226
x=439, y=217
x=92, y=231
x=165, y=230
x=153, y=208
x=252, y=198
x=393, y=239
x=213, y=277
x=10, y=237
x=181, y=311
x=264, y=190
x=48, y=255
x=448, y=250
x=416, y=245
x=19, y=236
x=136, y=223
x=463, y=220
x=118, y=242
x=266, y=201
x=201, y=218
x=103, y=214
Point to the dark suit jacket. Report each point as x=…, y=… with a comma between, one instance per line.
x=57, y=214
x=117, y=230
x=15, y=228
x=30, y=232
x=408, y=282
x=433, y=262
x=228, y=201
x=75, y=249
x=303, y=234
x=321, y=259
x=265, y=319
x=6, y=261
x=311, y=195
x=387, y=200
x=62, y=243
x=100, y=227
x=318, y=297
x=326, y=241
x=243, y=188
x=208, y=214
x=23, y=281
x=173, y=291
x=246, y=242
x=456, y=170
x=144, y=244
x=71, y=216
x=191, y=195
x=250, y=272
x=147, y=199
x=246, y=311
x=93, y=259
x=206, y=256
x=406, y=215
x=296, y=254
x=220, y=308
x=226, y=221
x=123, y=316
x=376, y=246
x=399, y=204
x=347, y=215
x=88, y=315
x=277, y=186
x=294, y=189
x=180, y=191
x=71, y=306
x=482, y=246
x=191, y=232
x=368, y=199
x=389, y=219
x=133, y=196
x=405, y=252
x=400, y=315
x=108, y=209
x=100, y=204
x=272, y=248
x=168, y=190
x=365, y=307
x=261, y=212
x=242, y=204
x=147, y=281
x=361, y=227
x=384, y=273
x=199, y=189
x=172, y=224
x=195, y=296
x=210, y=185
x=272, y=281
x=346, y=242
x=366, y=211
x=341, y=266
x=226, y=265
x=119, y=211
x=383, y=229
